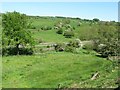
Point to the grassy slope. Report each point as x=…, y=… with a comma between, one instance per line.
x=85, y=30
x=49, y=70
x=50, y=36
x=47, y=36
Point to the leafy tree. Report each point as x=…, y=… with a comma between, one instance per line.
x=15, y=31
x=96, y=19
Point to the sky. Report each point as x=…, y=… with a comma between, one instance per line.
x=106, y=11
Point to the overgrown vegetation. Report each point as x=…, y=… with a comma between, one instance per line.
x=15, y=33
x=68, y=34
x=62, y=52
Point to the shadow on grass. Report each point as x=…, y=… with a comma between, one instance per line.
x=99, y=55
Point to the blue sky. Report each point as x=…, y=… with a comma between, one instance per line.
x=85, y=10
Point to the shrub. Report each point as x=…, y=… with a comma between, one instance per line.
x=25, y=51
x=104, y=51
x=60, y=47
x=32, y=27
x=67, y=21
x=86, y=52
x=9, y=51
x=70, y=49
x=40, y=40
x=73, y=28
x=4, y=51
x=74, y=43
x=48, y=46
x=60, y=31
x=79, y=24
x=15, y=31
x=68, y=34
x=14, y=50
x=38, y=50
x=46, y=28
x=96, y=19
x=49, y=27
x=88, y=46
x=68, y=26
x=109, y=38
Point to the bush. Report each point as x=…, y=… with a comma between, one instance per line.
x=79, y=24
x=70, y=49
x=96, y=20
x=68, y=34
x=59, y=31
x=32, y=27
x=4, y=51
x=9, y=51
x=74, y=43
x=25, y=51
x=49, y=27
x=40, y=40
x=59, y=47
x=38, y=50
x=104, y=51
x=68, y=26
x=14, y=50
x=72, y=46
x=88, y=46
x=73, y=28
x=67, y=21
x=86, y=52
x=46, y=28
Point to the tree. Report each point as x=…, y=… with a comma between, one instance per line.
x=15, y=31
x=96, y=19
x=108, y=37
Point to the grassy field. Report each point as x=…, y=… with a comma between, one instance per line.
x=51, y=69
x=50, y=36
x=86, y=30
x=48, y=70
